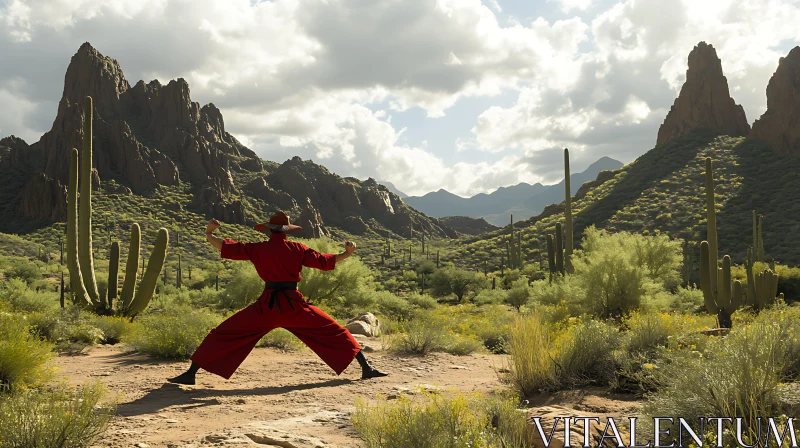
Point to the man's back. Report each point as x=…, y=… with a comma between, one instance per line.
x=278, y=259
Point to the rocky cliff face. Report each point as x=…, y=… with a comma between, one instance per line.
x=704, y=100
x=152, y=135
x=179, y=134
x=780, y=124
x=324, y=199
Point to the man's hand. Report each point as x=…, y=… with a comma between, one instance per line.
x=349, y=248
x=213, y=240
x=212, y=226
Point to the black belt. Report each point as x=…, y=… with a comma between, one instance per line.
x=278, y=288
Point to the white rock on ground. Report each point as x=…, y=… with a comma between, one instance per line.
x=366, y=324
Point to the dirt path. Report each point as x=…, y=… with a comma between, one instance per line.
x=272, y=391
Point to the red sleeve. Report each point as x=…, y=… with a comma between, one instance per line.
x=316, y=260
x=233, y=250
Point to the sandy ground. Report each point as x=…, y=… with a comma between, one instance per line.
x=291, y=391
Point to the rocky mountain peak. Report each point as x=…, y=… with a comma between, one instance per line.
x=780, y=124
x=91, y=74
x=704, y=100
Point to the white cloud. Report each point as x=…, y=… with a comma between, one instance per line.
x=298, y=77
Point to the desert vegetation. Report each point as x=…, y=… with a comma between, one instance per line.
x=619, y=305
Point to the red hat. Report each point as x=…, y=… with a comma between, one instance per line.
x=279, y=222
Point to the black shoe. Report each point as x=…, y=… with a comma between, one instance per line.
x=186, y=378
x=372, y=373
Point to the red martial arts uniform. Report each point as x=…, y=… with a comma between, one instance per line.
x=276, y=260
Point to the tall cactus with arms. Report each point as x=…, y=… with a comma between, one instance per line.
x=79, y=244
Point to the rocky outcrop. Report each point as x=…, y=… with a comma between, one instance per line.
x=704, y=100
x=780, y=124
x=467, y=225
x=346, y=203
x=44, y=198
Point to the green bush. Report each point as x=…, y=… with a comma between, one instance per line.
x=422, y=301
x=22, y=298
x=519, y=294
x=530, y=360
x=23, y=356
x=610, y=269
x=173, y=333
x=281, y=339
x=418, y=337
x=649, y=331
x=456, y=421
x=451, y=280
x=392, y=306
x=112, y=328
x=738, y=376
x=490, y=297
x=244, y=287
x=586, y=353
x=25, y=270
x=59, y=418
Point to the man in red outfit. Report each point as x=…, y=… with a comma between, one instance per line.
x=278, y=262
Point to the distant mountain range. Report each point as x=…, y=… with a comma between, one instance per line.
x=523, y=200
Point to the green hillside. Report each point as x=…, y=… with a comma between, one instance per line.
x=662, y=191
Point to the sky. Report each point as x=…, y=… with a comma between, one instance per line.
x=465, y=95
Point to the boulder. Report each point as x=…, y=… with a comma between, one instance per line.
x=780, y=124
x=704, y=100
x=365, y=324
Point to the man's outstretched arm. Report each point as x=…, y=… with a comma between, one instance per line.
x=214, y=240
x=349, y=248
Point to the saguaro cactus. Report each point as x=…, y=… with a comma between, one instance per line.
x=551, y=256
x=568, y=237
x=85, y=257
x=76, y=285
x=79, y=244
x=727, y=297
x=131, y=267
x=113, y=274
x=711, y=226
x=560, y=249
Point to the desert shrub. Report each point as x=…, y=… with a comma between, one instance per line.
x=609, y=268
x=451, y=280
x=585, y=353
x=418, y=337
x=530, y=361
x=427, y=267
x=21, y=297
x=281, y=339
x=422, y=301
x=244, y=287
x=173, y=333
x=519, y=294
x=686, y=299
x=659, y=256
x=647, y=332
x=24, y=270
x=738, y=376
x=460, y=345
x=112, y=328
x=442, y=421
x=392, y=306
x=490, y=296
x=204, y=297
x=58, y=418
x=22, y=355
x=789, y=282
x=568, y=292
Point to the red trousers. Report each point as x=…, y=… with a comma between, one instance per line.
x=227, y=345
